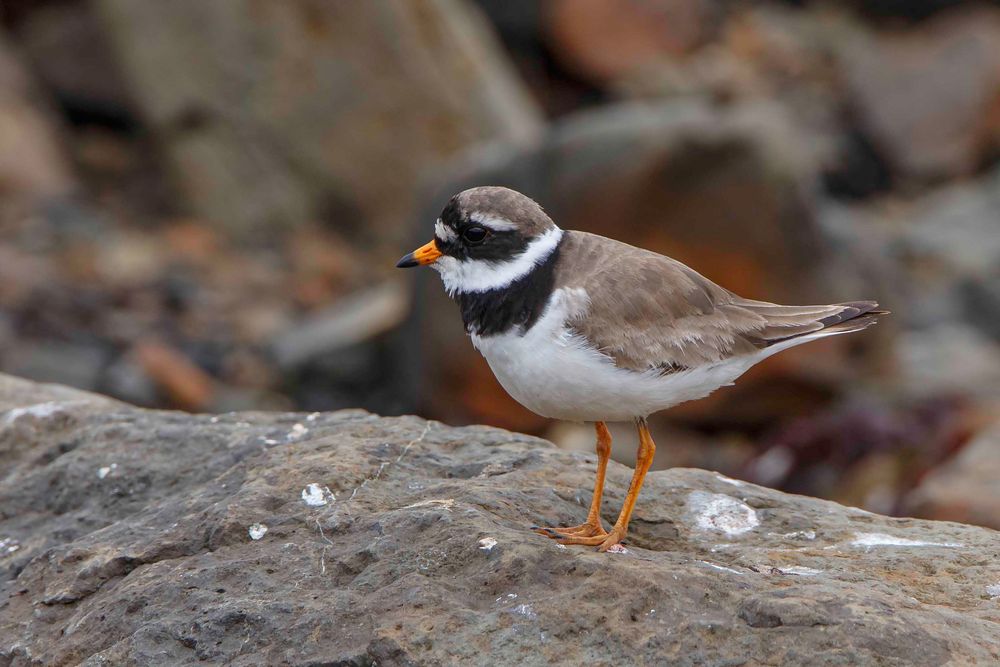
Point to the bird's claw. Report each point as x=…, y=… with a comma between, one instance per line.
x=586, y=534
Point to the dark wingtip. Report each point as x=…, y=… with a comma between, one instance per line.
x=854, y=324
x=853, y=310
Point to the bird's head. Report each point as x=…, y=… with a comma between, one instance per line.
x=485, y=239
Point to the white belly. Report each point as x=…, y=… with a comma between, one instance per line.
x=555, y=374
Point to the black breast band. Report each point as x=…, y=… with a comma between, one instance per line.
x=519, y=304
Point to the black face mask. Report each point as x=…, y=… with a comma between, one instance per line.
x=475, y=241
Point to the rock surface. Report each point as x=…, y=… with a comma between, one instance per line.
x=139, y=537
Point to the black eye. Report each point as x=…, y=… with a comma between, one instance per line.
x=475, y=235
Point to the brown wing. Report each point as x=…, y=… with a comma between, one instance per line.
x=654, y=312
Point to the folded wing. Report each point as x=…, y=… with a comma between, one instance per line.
x=655, y=312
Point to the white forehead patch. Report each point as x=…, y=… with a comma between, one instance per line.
x=494, y=223
x=444, y=232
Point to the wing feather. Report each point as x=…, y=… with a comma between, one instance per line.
x=650, y=311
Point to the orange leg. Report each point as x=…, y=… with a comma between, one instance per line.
x=647, y=448
x=592, y=526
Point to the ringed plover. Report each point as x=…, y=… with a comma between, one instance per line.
x=581, y=327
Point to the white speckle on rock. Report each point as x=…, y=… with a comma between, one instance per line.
x=214, y=420
x=269, y=441
x=723, y=568
x=617, y=549
x=526, y=611
x=487, y=544
x=799, y=535
x=257, y=531
x=560, y=546
x=8, y=545
x=312, y=417
x=993, y=590
x=720, y=513
x=315, y=495
x=799, y=570
x=297, y=433
x=446, y=503
x=104, y=471
x=884, y=540
x=729, y=480
x=38, y=410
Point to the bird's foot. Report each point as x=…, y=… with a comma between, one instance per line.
x=586, y=534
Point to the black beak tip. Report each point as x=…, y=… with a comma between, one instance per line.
x=406, y=262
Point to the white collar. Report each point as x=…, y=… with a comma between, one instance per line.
x=480, y=275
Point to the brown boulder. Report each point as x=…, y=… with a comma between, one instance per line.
x=603, y=40
x=33, y=165
x=967, y=488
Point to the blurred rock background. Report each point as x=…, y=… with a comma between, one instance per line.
x=201, y=204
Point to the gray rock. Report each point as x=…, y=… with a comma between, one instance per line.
x=955, y=229
x=277, y=113
x=356, y=319
x=925, y=96
x=16, y=393
x=76, y=364
x=948, y=247
x=950, y=357
x=141, y=537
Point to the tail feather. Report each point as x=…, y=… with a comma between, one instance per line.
x=855, y=324
x=784, y=323
x=851, y=310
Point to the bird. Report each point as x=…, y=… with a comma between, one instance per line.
x=584, y=328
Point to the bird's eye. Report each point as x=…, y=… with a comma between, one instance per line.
x=475, y=235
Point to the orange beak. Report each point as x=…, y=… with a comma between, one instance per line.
x=425, y=254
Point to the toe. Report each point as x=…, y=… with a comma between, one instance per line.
x=583, y=530
x=553, y=533
x=589, y=541
x=610, y=540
